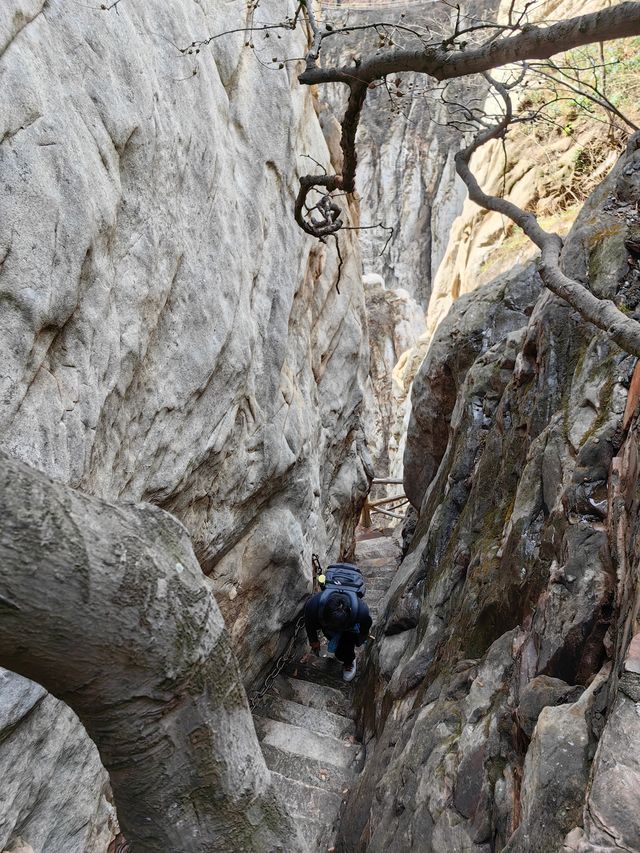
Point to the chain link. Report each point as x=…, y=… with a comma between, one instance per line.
x=279, y=665
x=287, y=654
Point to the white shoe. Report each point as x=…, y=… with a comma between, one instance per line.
x=349, y=674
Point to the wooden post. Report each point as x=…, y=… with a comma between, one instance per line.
x=365, y=515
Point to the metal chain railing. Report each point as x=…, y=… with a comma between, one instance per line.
x=287, y=654
x=279, y=665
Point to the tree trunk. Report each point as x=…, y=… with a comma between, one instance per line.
x=105, y=606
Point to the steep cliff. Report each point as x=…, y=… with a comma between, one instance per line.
x=168, y=334
x=507, y=629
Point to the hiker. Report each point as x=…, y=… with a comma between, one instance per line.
x=341, y=613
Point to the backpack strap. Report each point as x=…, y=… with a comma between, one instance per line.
x=324, y=597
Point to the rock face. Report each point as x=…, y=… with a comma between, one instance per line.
x=395, y=322
x=487, y=697
x=405, y=180
x=168, y=333
x=480, y=320
x=54, y=793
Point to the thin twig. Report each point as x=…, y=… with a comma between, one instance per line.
x=340, y=262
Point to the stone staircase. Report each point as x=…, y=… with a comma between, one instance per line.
x=305, y=722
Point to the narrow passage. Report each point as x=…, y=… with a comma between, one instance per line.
x=305, y=722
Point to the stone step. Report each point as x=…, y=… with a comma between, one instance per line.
x=380, y=576
x=316, y=720
x=336, y=701
x=326, y=671
x=317, y=833
x=314, y=809
x=305, y=722
x=383, y=564
x=376, y=552
x=376, y=600
x=376, y=579
x=308, y=770
x=307, y=744
x=377, y=583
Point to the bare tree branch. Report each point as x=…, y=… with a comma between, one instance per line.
x=603, y=313
x=450, y=59
x=581, y=88
x=532, y=42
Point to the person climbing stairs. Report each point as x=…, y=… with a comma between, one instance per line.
x=341, y=613
x=306, y=720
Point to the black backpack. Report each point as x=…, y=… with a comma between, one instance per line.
x=347, y=579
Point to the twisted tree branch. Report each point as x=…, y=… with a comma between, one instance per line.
x=603, y=313
x=443, y=62
x=532, y=42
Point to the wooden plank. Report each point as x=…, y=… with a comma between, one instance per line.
x=388, y=500
x=390, y=514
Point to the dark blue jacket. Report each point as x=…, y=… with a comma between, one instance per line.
x=313, y=624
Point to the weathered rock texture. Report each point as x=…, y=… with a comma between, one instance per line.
x=487, y=697
x=123, y=627
x=168, y=334
x=406, y=181
x=395, y=322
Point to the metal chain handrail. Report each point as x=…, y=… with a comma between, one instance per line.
x=279, y=665
x=289, y=649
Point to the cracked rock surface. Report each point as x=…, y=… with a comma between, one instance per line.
x=499, y=710
x=168, y=334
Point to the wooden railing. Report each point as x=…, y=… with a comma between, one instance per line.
x=394, y=502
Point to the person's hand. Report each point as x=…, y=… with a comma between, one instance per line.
x=315, y=648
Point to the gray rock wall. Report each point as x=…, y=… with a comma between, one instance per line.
x=167, y=332
x=395, y=322
x=405, y=180
x=506, y=660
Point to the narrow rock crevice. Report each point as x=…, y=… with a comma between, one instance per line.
x=306, y=719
